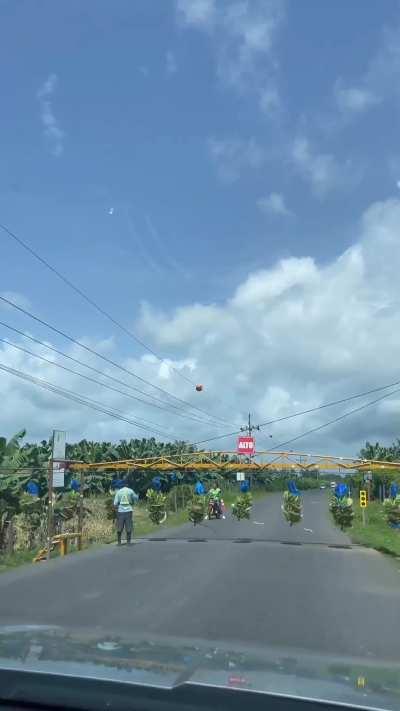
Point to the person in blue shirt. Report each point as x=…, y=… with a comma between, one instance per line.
x=124, y=500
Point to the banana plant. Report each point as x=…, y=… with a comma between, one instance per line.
x=242, y=507
x=341, y=508
x=33, y=518
x=197, y=509
x=156, y=506
x=12, y=455
x=392, y=511
x=292, y=507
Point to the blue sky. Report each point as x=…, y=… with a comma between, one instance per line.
x=162, y=153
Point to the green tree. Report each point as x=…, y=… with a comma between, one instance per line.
x=12, y=458
x=376, y=451
x=11, y=454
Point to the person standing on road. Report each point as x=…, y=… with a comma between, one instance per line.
x=123, y=502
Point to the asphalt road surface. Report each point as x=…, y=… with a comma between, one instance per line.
x=225, y=580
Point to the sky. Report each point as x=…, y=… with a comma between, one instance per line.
x=223, y=179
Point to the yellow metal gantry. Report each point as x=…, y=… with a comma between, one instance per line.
x=232, y=462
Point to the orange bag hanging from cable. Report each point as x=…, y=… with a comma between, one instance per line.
x=199, y=388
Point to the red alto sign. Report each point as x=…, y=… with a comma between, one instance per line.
x=246, y=445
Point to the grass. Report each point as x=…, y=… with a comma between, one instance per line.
x=377, y=533
x=15, y=559
x=99, y=529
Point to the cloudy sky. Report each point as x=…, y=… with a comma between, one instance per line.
x=223, y=179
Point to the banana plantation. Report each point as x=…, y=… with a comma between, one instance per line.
x=24, y=489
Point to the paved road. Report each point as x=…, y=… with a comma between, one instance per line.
x=268, y=524
x=310, y=596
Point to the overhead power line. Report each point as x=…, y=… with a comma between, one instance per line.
x=213, y=439
x=164, y=409
x=91, y=301
x=310, y=410
x=336, y=419
x=331, y=404
x=87, y=402
x=107, y=360
x=167, y=406
x=116, y=414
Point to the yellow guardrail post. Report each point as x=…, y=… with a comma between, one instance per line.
x=62, y=541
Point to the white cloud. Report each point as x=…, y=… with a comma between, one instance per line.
x=269, y=100
x=171, y=66
x=48, y=87
x=383, y=72
x=377, y=83
x=249, y=30
x=42, y=411
x=232, y=156
x=267, y=285
x=165, y=368
x=245, y=34
x=290, y=337
x=274, y=204
x=16, y=298
x=298, y=334
x=354, y=100
x=322, y=170
x=199, y=13
x=54, y=135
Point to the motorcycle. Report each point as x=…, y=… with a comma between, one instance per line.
x=214, y=509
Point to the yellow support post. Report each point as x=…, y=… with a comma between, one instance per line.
x=363, y=505
x=62, y=541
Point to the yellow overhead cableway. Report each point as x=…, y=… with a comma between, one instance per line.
x=231, y=462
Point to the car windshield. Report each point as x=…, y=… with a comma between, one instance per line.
x=199, y=441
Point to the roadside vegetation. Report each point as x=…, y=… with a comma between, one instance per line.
x=24, y=493
x=382, y=514
x=377, y=532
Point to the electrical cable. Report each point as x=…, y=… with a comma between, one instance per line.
x=98, y=382
x=75, y=372
x=306, y=412
x=114, y=413
x=263, y=424
x=336, y=419
x=74, y=397
x=165, y=405
x=90, y=301
x=330, y=404
x=107, y=360
x=212, y=439
x=265, y=437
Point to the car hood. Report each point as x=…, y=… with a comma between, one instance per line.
x=167, y=663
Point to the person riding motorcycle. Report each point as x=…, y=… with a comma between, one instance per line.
x=214, y=499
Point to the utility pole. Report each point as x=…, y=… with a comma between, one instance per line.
x=50, y=510
x=249, y=428
x=57, y=455
x=80, y=509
